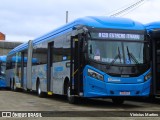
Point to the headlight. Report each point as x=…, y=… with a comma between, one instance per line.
x=95, y=75
x=148, y=76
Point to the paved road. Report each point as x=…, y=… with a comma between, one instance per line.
x=58, y=105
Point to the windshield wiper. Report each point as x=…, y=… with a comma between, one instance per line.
x=115, y=58
x=130, y=55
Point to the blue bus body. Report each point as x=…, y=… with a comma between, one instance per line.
x=135, y=86
x=106, y=83
x=2, y=71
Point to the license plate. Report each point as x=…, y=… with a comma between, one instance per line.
x=124, y=93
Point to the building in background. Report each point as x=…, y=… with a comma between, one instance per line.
x=6, y=45
x=2, y=36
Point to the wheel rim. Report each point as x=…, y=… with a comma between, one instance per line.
x=68, y=92
x=39, y=90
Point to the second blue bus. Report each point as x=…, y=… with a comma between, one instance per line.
x=153, y=30
x=3, y=60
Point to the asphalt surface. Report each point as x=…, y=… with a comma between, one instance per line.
x=58, y=108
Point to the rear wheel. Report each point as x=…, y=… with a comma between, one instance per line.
x=39, y=91
x=14, y=86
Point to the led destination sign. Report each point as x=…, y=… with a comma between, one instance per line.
x=119, y=36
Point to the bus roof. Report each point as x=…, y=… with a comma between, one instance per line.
x=153, y=26
x=90, y=21
x=3, y=58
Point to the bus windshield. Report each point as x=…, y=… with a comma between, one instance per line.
x=118, y=52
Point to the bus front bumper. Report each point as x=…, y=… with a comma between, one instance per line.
x=112, y=89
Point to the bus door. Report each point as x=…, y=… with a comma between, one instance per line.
x=156, y=62
x=76, y=82
x=49, y=66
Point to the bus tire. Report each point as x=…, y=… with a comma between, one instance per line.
x=71, y=99
x=39, y=91
x=118, y=101
x=14, y=86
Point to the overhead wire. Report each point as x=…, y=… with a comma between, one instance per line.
x=128, y=9
x=121, y=8
x=131, y=10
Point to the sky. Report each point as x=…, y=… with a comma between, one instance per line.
x=23, y=20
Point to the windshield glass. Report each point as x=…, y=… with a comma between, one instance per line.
x=118, y=52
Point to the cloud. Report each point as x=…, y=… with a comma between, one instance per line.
x=29, y=19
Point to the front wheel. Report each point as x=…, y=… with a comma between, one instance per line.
x=71, y=99
x=118, y=101
x=39, y=91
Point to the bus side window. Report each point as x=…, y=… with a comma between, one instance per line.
x=40, y=55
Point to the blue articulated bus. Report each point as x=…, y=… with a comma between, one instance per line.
x=153, y=30
x=91, y=57
x=2, y=71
